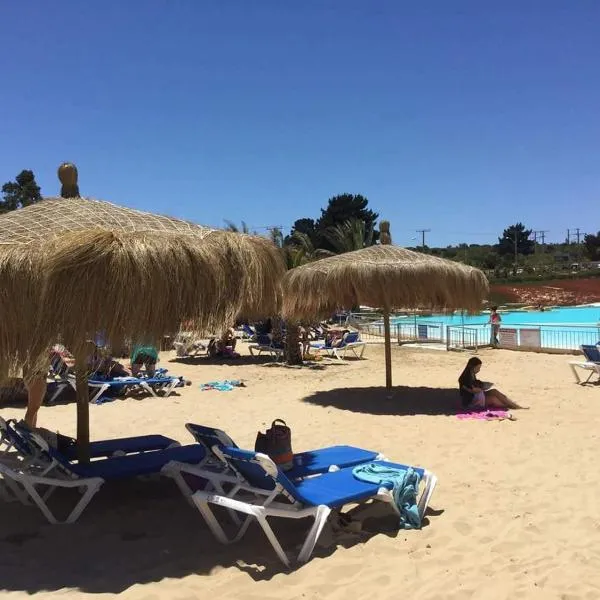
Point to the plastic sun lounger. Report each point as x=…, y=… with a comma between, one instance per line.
x=51, y=470
x=13, y=439
x=351, y=342
x=312, y=497
x=306, y=464
x=152, y=385
x=264, y=344
x=591, y=364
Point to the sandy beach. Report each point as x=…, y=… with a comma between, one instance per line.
x=512, y=517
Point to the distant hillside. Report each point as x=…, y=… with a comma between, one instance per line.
x=561, y=292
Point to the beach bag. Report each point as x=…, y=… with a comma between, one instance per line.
x=276, y=443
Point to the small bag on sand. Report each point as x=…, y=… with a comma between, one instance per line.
x=276, y=442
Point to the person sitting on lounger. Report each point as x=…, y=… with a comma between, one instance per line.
x=144, y=356
x=473, y=392
x=224, y=347
x=334, y=337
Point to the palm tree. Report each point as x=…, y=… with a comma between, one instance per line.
x=231, y=226
x=350, y=235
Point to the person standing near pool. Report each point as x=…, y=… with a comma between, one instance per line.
x=495, y=322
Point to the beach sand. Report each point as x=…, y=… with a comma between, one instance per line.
x=514, y=514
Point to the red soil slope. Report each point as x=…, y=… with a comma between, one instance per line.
x=563, y=292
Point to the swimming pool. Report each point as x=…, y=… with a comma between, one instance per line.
x=564, y=328
x=564, y=316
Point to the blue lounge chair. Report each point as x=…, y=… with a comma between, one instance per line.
x=591, y=363
x=313, y=462
x=190, y=477
x=312, y=497
x=12, y=439
x=50, y=470
x=351, y=342
x=160, y=383
x=265, y=344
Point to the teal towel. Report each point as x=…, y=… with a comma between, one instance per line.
x=405, y=485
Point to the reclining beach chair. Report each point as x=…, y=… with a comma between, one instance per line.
x=306, y=464
x=351, y=342
x=591, y=364
x=36, y=479
x=265, y=344
x=186, y=345
x=13, y=441
x=312, y=497
x=160, y=384
x=248, y=334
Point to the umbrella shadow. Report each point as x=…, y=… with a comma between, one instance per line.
x=401, y=400
x=140, y=532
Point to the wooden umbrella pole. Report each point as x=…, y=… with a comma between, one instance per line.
x=388, y=349
x=83, y=411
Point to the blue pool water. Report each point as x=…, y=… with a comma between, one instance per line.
x=582, y=315
x=559, y=328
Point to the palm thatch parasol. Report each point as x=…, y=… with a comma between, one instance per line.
x=385, y=276
x=70, y=267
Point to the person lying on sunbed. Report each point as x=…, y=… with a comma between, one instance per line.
x=476, y=394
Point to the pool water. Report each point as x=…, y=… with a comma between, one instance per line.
x=577, y=315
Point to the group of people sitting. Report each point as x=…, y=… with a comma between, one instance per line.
x=99, y=363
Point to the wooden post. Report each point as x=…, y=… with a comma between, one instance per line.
x=83, y=411
x=388, y=349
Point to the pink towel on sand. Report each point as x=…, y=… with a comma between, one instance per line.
x=485, y=415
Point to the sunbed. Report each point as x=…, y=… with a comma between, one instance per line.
x=265, y=344
x=49, y=470
x=591, y=364
x=306, y=464
x=274, y=494
x=350, y=342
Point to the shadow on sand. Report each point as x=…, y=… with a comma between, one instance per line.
x=139, y=532
x=402, y=400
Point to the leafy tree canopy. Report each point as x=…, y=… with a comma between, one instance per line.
x=24, y=191
x=343, y=209
x=506, y=243
x=592, y=245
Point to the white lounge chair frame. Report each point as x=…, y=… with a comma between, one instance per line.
x=594, y=369
x=269, y=507
x=23, y=479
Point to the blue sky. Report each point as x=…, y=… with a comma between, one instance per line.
x=459, y=116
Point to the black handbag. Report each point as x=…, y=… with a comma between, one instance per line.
x=276, y=443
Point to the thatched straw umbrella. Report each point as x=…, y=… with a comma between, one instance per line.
x=70, y=267
x=385, y=276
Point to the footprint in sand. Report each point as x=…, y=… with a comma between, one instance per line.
x=463, y=527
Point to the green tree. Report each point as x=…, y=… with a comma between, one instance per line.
x=231, y=226
x=348, y=236
x=518, y=233
x=592, y=245
x=24, y=191
x=305, y=226
x=343, y=208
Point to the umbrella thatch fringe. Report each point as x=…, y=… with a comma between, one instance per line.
x=137, y=282
x=381, y=276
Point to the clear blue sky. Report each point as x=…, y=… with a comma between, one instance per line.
x=459, y=116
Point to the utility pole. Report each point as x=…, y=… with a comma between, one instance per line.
x=543, y=235
x=423, y=232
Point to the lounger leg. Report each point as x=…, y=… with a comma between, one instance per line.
x=430, y=483
x=91, y=489
x=321, y=517
x=273, y=539
x=214, y=524
x=99, y=393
